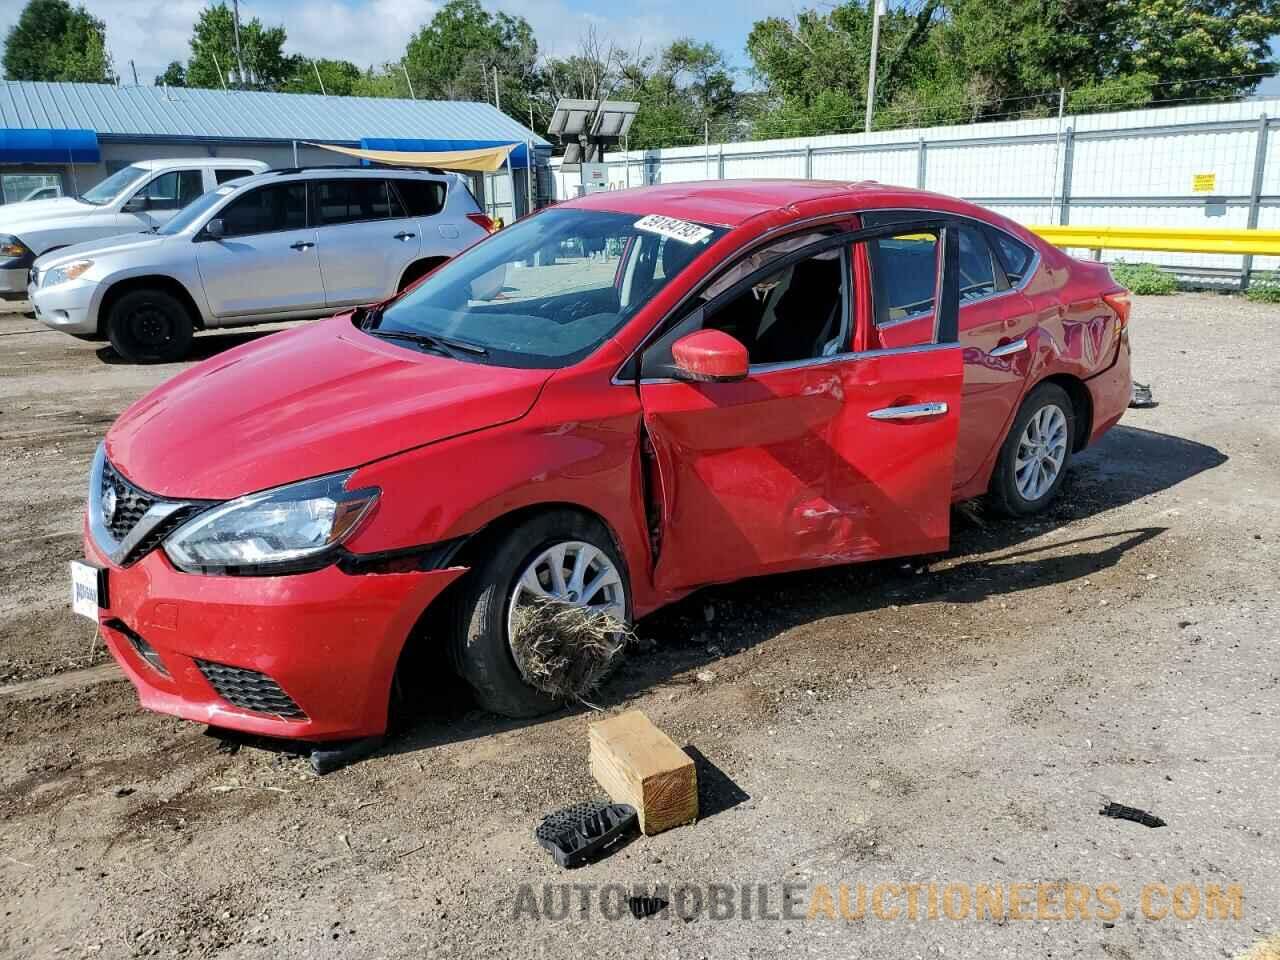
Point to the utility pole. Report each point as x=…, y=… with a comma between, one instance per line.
x=407, y=80
x=877, y=10
x=319, y=80
x=235, y=23
x=135, y=72
x=496, y=102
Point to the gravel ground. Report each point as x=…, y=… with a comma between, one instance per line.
x=960, y=722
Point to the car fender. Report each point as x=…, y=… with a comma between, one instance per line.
x=589, y=459
x=172, y=269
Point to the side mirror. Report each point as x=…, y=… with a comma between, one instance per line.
x=136, y=204
x=215, y=229
x=710, y=356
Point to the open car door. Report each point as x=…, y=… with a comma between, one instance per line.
x=821, y=454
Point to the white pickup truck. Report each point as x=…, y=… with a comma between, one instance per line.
x=139, y=197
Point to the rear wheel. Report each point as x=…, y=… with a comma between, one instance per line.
x=150, y=326
x=558, y=555
x=1033, y=460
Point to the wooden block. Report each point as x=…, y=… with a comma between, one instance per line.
x=637, y=763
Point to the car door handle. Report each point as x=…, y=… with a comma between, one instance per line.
x=302, y=245
x=402, y=235
x=1010, y=348
x=912, y=411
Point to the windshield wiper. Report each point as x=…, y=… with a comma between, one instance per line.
x=443, y=345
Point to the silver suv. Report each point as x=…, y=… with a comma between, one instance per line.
x=282, y=245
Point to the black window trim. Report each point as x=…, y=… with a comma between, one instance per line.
x=946, y=285
x=244, y=192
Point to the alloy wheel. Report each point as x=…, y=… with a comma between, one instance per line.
x=573, y=572
x=1042, y=450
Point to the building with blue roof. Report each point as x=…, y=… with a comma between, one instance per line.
x=68, y=136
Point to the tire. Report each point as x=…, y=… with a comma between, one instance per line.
x=481, y=649
x=150, y=326
x=1015, y=491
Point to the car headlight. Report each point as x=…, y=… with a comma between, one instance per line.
x=286, y=530
x=68, y=271
x=11, y=246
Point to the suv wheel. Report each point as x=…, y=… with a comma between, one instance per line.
x=559, y=554
x=150, y=326
x=1033, y=460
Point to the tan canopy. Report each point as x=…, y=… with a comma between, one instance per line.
x=486, y=159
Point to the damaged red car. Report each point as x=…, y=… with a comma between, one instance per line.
x=613, y=402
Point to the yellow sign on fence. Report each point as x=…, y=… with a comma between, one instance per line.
x=1204, y=182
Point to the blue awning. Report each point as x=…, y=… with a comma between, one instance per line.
x=48, y=146
x=519, y=156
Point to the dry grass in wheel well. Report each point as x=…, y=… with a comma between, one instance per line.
x=564, y=649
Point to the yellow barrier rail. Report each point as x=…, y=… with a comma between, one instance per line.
x=1164, y=239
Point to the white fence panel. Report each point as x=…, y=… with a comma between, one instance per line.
x=1187, y=166
x=897, y=167
x=1157, y=166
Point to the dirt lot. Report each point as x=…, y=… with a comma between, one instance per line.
x=960, y=723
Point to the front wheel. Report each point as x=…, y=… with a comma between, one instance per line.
x=150, y=326
x=1033, y=460
x=560, y=556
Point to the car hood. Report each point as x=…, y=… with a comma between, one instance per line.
x=36, y=213
x=120, y=243
x=314, y=400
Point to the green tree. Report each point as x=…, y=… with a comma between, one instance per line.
x=961, y=60
x=1202, y=48
x=683, y=92
x=455, y=55
x=175, y=75
x=54, y=41
x=213, y=52
x=341, y=78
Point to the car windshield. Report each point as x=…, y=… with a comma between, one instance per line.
x=196, y=209
x=547, y=291
x=114, y=185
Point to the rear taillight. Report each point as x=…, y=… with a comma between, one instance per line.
x=482, y=220
x=1119, y=302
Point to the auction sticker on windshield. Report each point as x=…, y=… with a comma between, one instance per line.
x=672, y=227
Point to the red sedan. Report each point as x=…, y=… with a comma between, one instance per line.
x=614, y=402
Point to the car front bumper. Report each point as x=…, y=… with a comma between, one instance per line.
x=13, y=283
x=66, y=306
x=327, y=641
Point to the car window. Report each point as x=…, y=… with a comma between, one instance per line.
x=351, y=200
x=797, y=313
x=977, y=273
x=1015, y=255
x=547, y=291
x=114, y=186
x=173, y=190
x=195, y=210
x=423, y=198
x=281, y=206
x=904, y=270
x=222, y=176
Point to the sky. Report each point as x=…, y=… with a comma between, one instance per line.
x=154, y=32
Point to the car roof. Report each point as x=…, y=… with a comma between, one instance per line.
x=731, y=203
